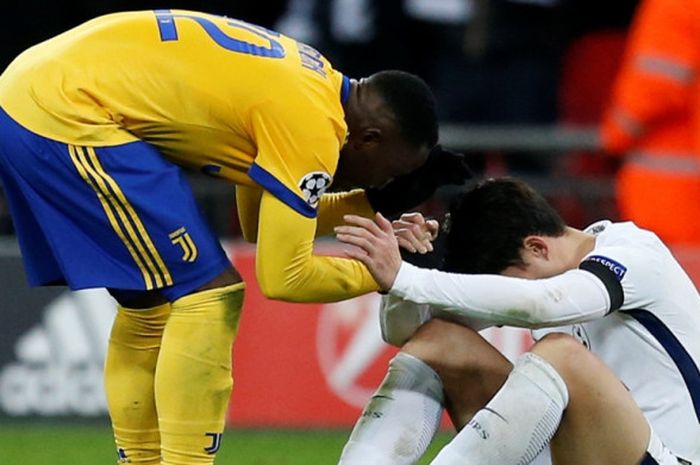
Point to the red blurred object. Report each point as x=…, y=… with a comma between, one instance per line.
x=588, y=72
x=589, y=68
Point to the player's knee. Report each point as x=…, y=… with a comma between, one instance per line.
x=431, y=343
x=454, y=351
x=566, y=354
x=278, y=291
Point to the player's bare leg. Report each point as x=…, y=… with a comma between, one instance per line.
x=471, y=369
x=602, y=424
x=562, y=390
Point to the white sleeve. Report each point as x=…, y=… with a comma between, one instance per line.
x=574, y=296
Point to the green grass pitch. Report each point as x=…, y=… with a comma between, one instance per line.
x=26, y=444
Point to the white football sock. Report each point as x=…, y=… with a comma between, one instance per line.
x=401, y=419
x=543, y=458
x=517, y=424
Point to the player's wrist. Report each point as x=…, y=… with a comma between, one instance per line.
x=402, y=280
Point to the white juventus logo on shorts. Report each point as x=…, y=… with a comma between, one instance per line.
x=182, y=238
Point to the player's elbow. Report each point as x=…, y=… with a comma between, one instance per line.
x=276, y=287
x=537, y=309
x=539, y=316
x=276, y=291
x=546, y=314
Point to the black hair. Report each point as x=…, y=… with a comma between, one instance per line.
x=412, y=102
x=487, y=226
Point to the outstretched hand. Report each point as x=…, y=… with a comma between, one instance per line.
x=375, y=245
x=415, y=233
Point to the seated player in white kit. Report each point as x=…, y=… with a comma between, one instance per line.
x=612, y=380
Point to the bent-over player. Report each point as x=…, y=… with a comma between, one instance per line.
x=97, y=124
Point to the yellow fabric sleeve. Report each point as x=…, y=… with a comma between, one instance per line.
x=248, y=206
x=332, y=207
x=288, y=270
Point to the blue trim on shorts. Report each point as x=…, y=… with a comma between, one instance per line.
x=279, y=190
x=685, y=363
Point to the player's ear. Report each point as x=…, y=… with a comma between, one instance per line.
x=536, y=246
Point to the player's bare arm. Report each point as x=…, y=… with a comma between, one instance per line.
x=248, y=206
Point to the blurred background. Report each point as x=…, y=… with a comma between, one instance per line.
x=591, y=101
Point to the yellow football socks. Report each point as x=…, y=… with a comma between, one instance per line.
x=129, y=372
x=193, y=376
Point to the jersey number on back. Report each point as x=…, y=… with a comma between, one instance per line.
x=168, y=32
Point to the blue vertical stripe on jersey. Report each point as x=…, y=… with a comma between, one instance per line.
x=685, y=363
x=648, y=460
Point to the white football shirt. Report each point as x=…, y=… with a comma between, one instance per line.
x=630, y=303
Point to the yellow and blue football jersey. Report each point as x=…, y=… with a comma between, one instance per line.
x=209, y=92
x=87, y=117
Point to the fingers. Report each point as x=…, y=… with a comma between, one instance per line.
x=362, y=222
x=422, y=232
x=418, y=222
x=374, y=244
x=406, y=244
x=413, y=217
x=358, y=241
x=356, y=254
x=414, y=246
x=366, y=235
x=414, y=233
x=433, y=228
x=353, y=230
x=384, y=224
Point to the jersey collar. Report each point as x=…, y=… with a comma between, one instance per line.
x=345, y=90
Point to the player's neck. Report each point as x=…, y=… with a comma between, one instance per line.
x=351, y=106
x=579, y=244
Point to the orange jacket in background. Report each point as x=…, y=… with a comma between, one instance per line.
x=651, y=120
